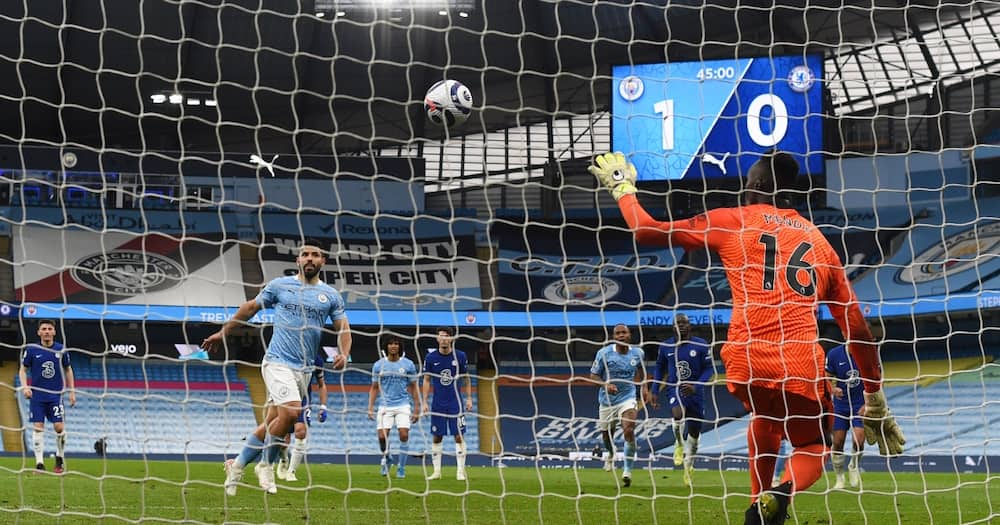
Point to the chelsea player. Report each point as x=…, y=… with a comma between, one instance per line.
x=50, y=372
x=848, y=407
x=687, y=362
x=444, y=367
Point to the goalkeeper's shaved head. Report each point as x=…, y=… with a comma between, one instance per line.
x=773, y=174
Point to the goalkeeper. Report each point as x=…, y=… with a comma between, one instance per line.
x=779, y=267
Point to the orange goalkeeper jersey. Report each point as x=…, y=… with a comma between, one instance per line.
x=780, y=268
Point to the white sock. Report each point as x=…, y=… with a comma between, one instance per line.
x=690, y=449
x=38, y=444
x=436, y=451
x=855, y=459
x=837, y=458
x=298, y=454
x=61, y=444
x=460, y=449
x=678, y=437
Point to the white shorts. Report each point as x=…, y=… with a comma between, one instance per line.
x=609, y=416
x=284, y=384
x=389, y=416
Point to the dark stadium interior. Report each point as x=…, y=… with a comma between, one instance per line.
x=284, y=77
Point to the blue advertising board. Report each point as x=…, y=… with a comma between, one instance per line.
x=652, y=316
x=556, y=417
x=579, y=268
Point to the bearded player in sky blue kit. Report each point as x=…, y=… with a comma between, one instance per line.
x=687, y=362
x=848, y=407
x=50, y=372
x=395, y=378
x=302, y=303
x=444, y=367
x=617, y=369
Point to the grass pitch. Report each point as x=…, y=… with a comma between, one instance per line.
x=124, y=491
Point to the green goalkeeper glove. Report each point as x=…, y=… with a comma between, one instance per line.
x=615, y=173
x=881, y=426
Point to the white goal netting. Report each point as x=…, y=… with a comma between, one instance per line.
x=160, y=162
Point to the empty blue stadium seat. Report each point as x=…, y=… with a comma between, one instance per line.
x=174, y=421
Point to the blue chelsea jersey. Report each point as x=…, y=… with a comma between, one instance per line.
x=300, y=312
x=445, y=371
x=45, y=367
x=840, y=365
x=620, y=369
x=688, y=361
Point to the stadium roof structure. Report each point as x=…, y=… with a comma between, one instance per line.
x=344, y=76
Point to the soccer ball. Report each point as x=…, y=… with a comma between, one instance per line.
x=448, y=103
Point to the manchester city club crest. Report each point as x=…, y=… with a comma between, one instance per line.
x=587, y=289
x=631, y=88
x=322, y=298
x=957, y=253
x=128, y=272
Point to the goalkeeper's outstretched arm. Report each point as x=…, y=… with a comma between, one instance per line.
x=708, y=230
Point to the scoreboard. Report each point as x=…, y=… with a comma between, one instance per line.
x=714, y=118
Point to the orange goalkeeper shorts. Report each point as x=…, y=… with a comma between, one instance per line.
x=804, y=421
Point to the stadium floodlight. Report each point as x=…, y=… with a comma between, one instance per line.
x=181, y=99
x=332, y=6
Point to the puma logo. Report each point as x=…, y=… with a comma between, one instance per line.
x=256, y=159
x=708, y=158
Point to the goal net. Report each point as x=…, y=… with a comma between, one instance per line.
x=161, y=162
